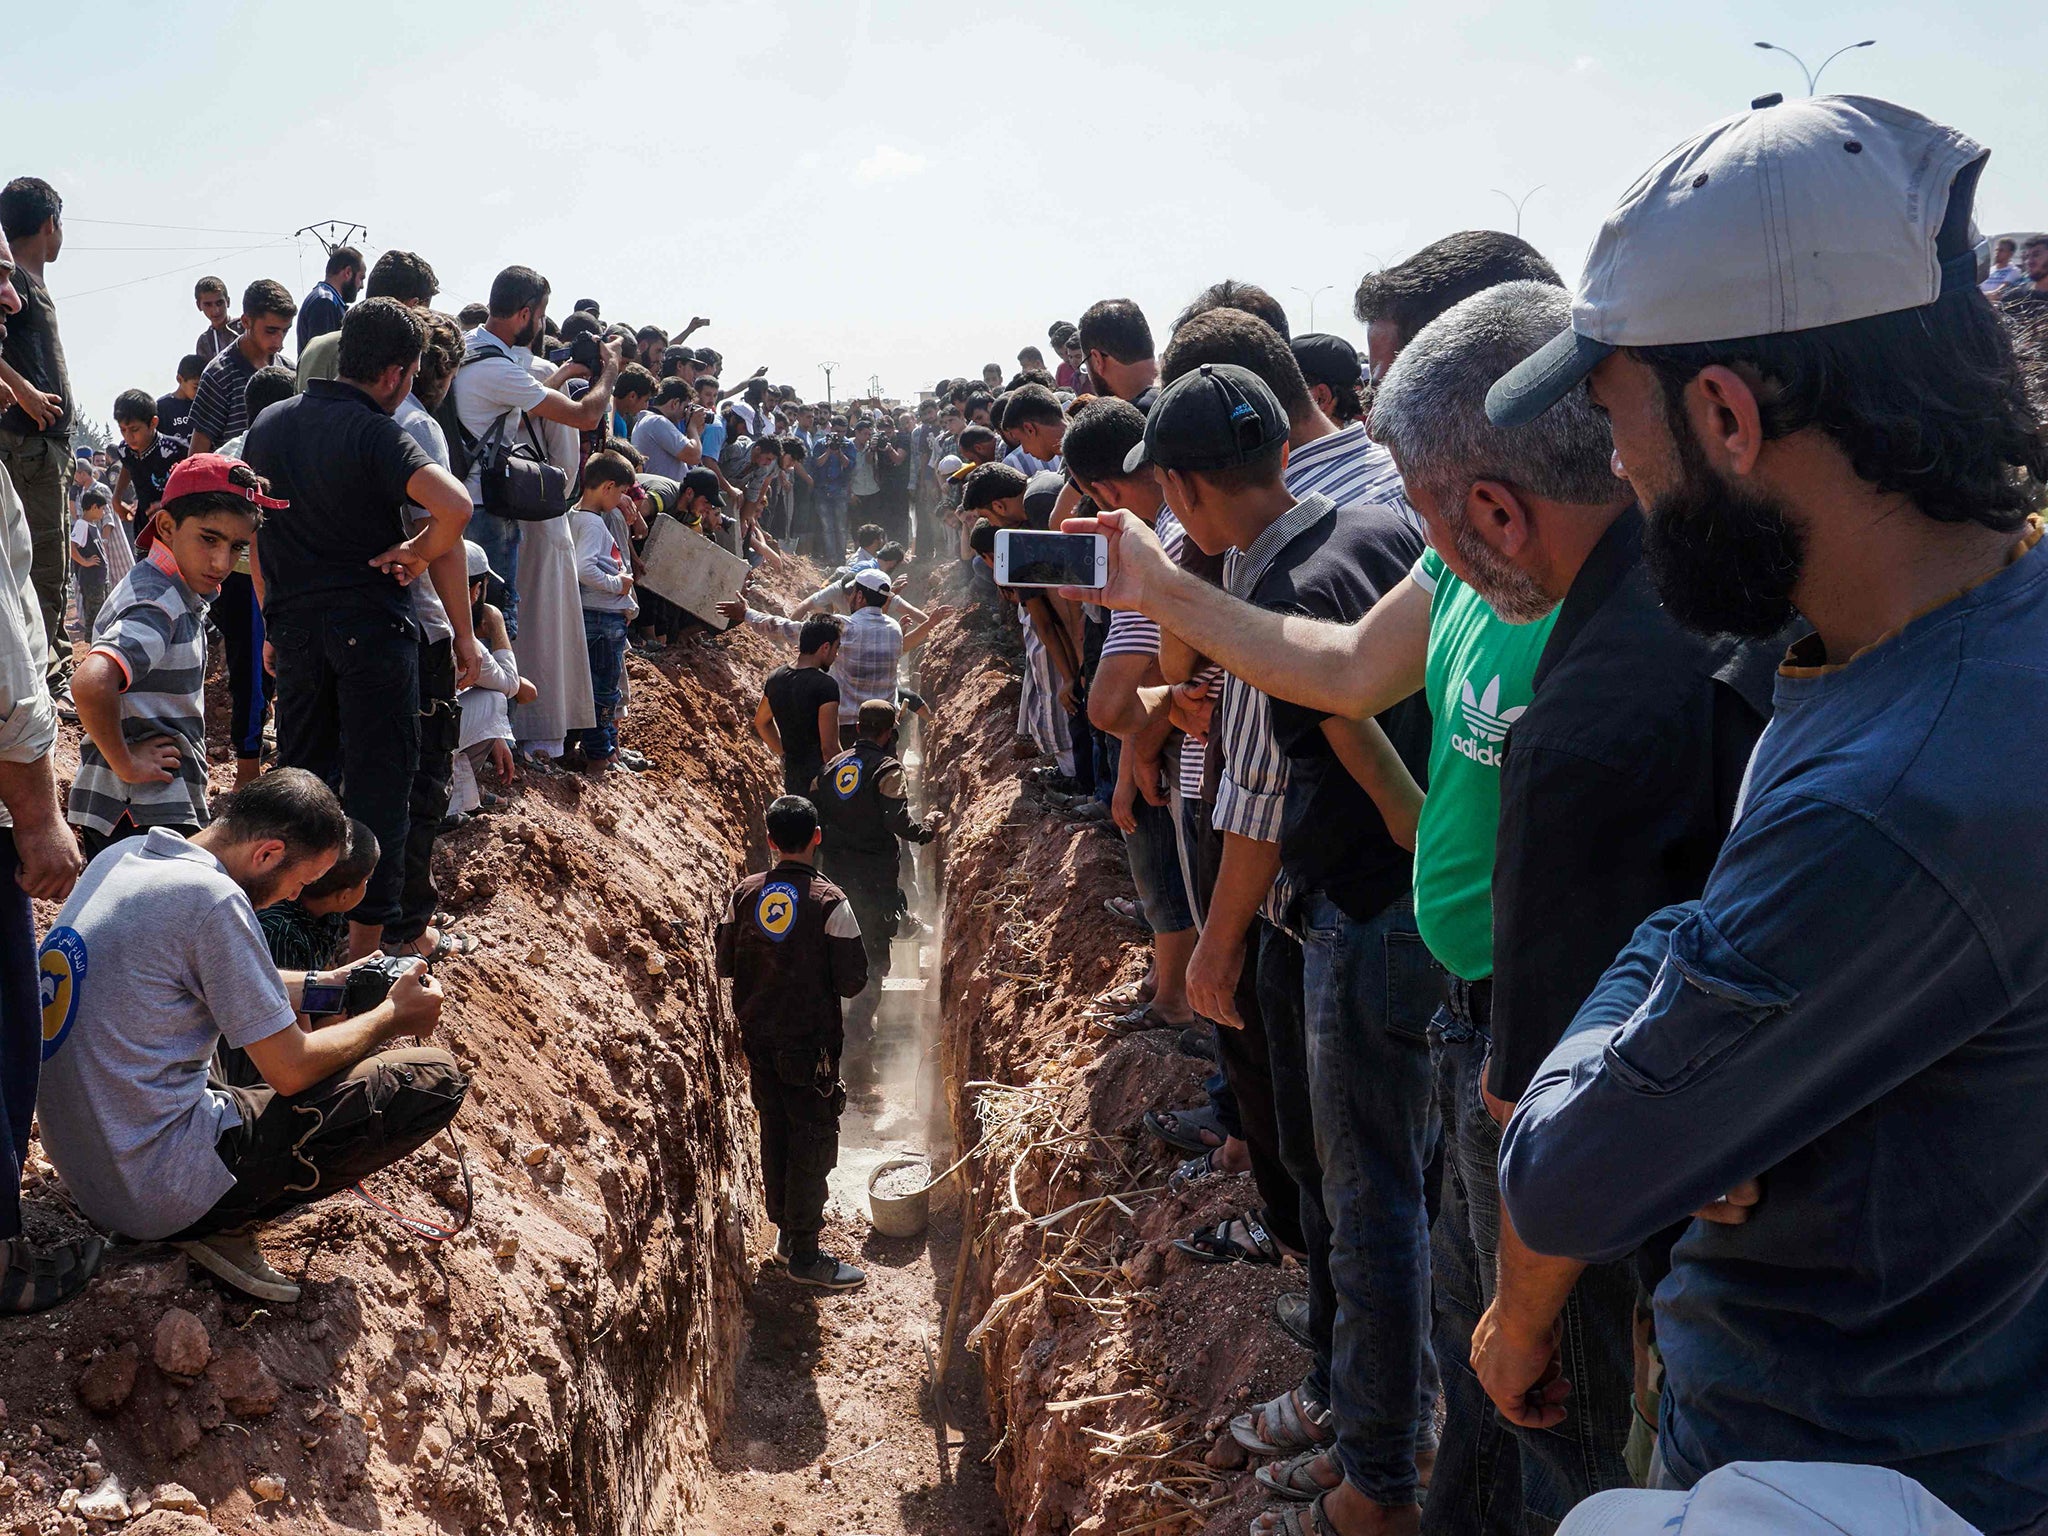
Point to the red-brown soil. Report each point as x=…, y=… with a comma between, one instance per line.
x=561, y=1365
x=1110, y=1357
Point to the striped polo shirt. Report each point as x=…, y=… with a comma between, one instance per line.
x=154, y=629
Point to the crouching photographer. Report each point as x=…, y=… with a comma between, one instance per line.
x=156, y=960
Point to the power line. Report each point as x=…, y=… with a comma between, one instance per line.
x=69, y=248
x=174, y=271
x=191, y=229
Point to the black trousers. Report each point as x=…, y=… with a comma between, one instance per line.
x=1248, y=1065
x=870, y=885
x=798, y=1096
x=339, y=672
x=289, y=1152
x=97, y=843
x=440, y=730
x=250, y=685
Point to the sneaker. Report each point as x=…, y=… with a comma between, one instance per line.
x=235, y=1258
x=826, y=1273
x=781, y=1253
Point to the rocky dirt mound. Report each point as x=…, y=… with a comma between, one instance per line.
x=1111, y=1358
x=561, y=1363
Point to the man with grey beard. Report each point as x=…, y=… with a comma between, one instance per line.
x=1530, y=619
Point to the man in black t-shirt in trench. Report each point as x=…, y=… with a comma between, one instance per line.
x=799, y=713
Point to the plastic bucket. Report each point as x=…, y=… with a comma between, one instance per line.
x=900, y=1215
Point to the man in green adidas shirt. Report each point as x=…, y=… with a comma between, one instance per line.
x=1479, y=673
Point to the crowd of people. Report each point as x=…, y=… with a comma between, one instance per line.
x=1564, y=759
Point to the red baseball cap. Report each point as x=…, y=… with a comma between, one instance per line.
x=209, y=472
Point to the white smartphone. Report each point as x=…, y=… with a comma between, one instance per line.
x=1026, y=557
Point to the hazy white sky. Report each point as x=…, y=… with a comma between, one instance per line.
x=907, y=189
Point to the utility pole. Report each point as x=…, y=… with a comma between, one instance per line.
x=828, y=367
x=1518, y=203
x=324, y=232
x=1311, y=295
x=1813, y=75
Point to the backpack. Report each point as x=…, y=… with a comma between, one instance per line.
x=514, y=481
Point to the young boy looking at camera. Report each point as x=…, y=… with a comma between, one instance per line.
x=140, y=690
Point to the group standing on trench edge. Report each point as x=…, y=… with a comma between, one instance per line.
x=1564, y=765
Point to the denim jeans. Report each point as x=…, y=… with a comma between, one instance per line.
x=1491, y=1476
x=832, y=525
x=348, y=682
x=1368, y=989
x=1294, y=1137
x=605, y=635
x=251, y=688
x=21, y=1032
x=499, y=537
x=1155, y=869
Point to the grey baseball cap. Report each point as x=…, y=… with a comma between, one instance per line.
x=1782, y=218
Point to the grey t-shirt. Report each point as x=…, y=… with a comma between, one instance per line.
x=154, y=959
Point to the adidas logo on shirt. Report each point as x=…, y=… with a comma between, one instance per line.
x=1487, y=721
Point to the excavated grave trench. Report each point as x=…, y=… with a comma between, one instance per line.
x=597, y=1352
x=563, y=1364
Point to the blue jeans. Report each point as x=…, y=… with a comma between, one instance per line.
x=832, y=524
x=499, y=537
x=21, y=1032
x=605, y=635
x=1491, y=1476
x=1155, y=869
x=1368, y=989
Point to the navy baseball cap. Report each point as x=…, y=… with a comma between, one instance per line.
x=1217, y=417
x=1328, y=360
x=705, y=484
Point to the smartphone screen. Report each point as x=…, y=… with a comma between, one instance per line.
x=323, y=997
x=1048, y=559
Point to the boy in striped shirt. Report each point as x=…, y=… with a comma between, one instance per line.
x=141, y=689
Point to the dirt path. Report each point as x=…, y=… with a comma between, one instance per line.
x=833, y=1428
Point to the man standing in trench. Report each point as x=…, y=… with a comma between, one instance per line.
x=861, y=798
x=791, y=945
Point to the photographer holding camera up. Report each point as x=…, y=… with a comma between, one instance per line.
x=157, y=959
x=832, y=475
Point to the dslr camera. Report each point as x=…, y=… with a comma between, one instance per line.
x=371, y=982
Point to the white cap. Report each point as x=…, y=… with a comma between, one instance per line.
x=1774, y=1498
x=1783, y=218
x=874, y=581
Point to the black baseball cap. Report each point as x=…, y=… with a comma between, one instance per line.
x=585, y=306
x=705, y=484
x=1328, y=360
x=1217, y=417
x=1041, y=494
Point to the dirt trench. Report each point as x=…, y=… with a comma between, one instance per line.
x=563, y=1363
x=1111, y=1360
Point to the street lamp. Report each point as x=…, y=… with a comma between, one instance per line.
x=827, y=368
x=1517, y=203
x=1813, y=75
x=1311, y=295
